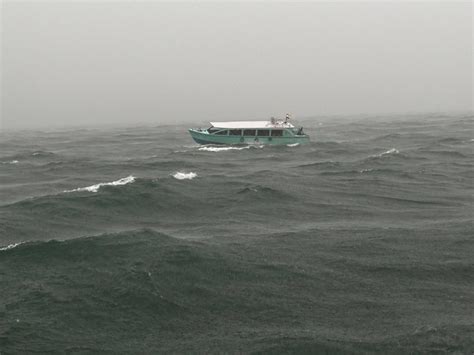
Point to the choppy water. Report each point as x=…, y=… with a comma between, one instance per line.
x=138, y=240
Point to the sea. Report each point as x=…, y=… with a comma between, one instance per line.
x=134, y=239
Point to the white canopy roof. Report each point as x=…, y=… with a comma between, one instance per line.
x=251, y=124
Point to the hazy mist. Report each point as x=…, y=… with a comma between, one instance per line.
x=85, y=63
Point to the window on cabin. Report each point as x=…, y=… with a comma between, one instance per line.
x=249, y=132
x=221, y=133
x=277, y=132
x=235, y=132
x=263, y=133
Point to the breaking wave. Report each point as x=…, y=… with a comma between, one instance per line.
x=390, y=151
x=41, y=153
x=224, y=149
x=96, y=187
x=10, y=246
x=184, y=176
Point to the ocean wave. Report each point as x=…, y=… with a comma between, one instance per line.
x=328, y=163
x=268, y=194
x=96, y=187
x=387, y=172
x=10, y=246
x=26, y=156
x=184, y=176
x=293, y=145
x=187, y=148
x=388, y=152
x=41, y=153
x=168, y=164
x=224, y=149
x=326, y=144
x=442, y=153
x=10, y=162
x=387, y=137
x=247, y=189
x=450, y=141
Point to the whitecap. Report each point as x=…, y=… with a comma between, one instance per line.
x=95, y=188
x=293, y=145
x=11, y=246
x=221, y=149
x=180, y=151
x=224, y=149
x=187, y=148
x=184, y=176
x=10, y=162
x=390, y=151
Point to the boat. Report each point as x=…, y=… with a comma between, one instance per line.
x=275, y=131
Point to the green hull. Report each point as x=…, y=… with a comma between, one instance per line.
x=203, y=137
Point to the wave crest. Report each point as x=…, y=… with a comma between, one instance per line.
x=224, y=149
x=184, y=176
x=41, y=153
x=390, y=151
x=10, y=246
x=96, y=187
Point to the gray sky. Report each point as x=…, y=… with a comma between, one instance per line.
x=87, y=63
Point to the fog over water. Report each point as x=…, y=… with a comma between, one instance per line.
x=84, y=63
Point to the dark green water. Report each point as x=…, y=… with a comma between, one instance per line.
x=360, y=242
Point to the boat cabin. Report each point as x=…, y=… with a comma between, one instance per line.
x=254, y=129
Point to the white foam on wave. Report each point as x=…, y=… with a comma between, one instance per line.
x=10, y=162
x=11, y=246
x=187, y=148
x=184, y=176
x=390, y=151
x=221, y=149
x=224, y=149
x=293, y=145
x=96, y=187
